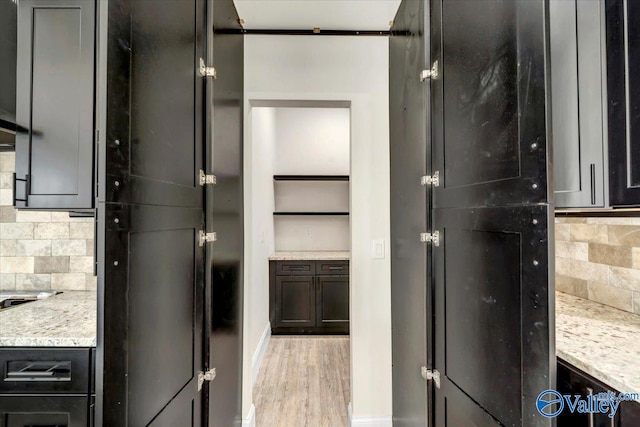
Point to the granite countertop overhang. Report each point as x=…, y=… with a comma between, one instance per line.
x=600, y=340
x=310, y=256
x=68, y=319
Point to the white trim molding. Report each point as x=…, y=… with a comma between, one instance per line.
x=258, y=355
x=250, y=421
x=368, y=421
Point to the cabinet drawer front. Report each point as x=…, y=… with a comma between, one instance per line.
x=295, y=268
x=332, y=267
x=50, y=370
x=20, y=411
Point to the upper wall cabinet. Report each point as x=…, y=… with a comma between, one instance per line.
x=623, y=81
x=8, y=45
x=55, y=104
x=577, y=83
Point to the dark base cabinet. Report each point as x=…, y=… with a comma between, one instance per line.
x=309, y=297
x=573, y=381
x=46, y=387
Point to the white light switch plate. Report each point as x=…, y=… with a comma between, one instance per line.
x=378, y=249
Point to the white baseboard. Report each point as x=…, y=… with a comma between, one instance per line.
x=250, y=421
x=368, y=421
x=258, y=355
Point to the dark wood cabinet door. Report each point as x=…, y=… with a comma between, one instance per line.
x=295, y=301
x=623, y=88
x=494, y=319
x=577, y=79
x=47, y=411
x=409, y=159
x=150, y=213
x=224, y=215
x=332, y=302
x=489, y=115
x=55, y=104
x=8, y=46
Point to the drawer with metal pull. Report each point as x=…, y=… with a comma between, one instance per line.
x=295, y=268
x=332, y=267
x=49, y=370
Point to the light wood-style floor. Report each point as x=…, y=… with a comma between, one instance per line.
x=303, y=382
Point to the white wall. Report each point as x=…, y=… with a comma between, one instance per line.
x=353, y=69
x=259, y=157
x=312, y=141
x=312, y=233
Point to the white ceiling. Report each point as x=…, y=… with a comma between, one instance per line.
x=325, y=14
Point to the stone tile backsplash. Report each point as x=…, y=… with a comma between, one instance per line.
x=599, y=259
x=42, y=250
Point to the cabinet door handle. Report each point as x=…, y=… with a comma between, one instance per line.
x=38, y=371
x=336, y=268
x=593, y=183
x=591, y=420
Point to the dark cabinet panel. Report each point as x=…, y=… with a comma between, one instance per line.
x=629, y=414
x=151, y=211
x=623, y=88
x=296, y=301
x=8, y=44
x=493, y=300
x=45, y=411
x=224, y=214
x=332, y=302
x=55, y=104
x=309, y=297
x=410, y=157
x=488, y=128
x=577, y=53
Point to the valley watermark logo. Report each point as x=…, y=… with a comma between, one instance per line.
x=551, y=403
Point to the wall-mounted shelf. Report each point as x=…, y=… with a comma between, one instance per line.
x=311, y=177
x=311, y=213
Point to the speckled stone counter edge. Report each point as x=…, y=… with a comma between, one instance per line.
x=310, y=256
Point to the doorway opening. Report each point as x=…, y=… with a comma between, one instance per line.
x=297, y=262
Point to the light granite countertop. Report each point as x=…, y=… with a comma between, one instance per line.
x=310, y=256
x=600, y=340
x=64, y=320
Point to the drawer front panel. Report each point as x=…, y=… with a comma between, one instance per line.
x=67, y=411
x=50, y=370
x=296, y=268
x=332, y=267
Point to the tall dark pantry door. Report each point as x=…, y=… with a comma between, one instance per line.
x=494, y=315
x=490, y=266
x=150, y=361
x=410, y=160
x=224, y=214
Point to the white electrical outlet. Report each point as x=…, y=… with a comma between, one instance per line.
x=307, y=232
x=378, y=249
